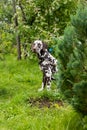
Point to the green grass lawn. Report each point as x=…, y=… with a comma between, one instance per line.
x=19, y=82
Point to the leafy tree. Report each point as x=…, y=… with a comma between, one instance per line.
x=44, y=20
x=37, y=19
x=72, y=54
x=6, y=31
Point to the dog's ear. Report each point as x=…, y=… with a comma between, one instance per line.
x=44, y=46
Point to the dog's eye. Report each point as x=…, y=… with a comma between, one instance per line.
x=34, y=44
x=39, y=45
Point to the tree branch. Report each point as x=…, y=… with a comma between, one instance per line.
x=22, y=11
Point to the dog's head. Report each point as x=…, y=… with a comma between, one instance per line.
x=38, y=46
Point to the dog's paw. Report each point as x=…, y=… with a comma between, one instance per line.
x=40, y=89
x=48, y=88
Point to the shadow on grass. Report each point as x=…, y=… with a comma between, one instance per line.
x=4, y=93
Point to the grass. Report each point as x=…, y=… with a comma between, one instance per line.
x=19, y=82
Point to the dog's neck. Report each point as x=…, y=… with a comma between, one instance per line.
x=42, y=53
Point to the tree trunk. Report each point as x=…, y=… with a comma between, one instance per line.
x=17, y=35
x=18, y=47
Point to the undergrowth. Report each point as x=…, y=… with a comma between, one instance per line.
x=19, y=83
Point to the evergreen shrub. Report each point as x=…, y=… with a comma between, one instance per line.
x=72, y=57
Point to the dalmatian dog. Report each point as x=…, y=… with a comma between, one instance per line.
x=48, y=64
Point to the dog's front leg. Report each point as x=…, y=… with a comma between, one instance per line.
x=48, y=83
x=43, y=83
x=48, y=78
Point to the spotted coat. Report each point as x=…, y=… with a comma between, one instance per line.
x=48, y=64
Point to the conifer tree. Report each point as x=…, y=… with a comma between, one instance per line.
x=72, y=56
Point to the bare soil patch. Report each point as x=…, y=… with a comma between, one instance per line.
x=45, y=102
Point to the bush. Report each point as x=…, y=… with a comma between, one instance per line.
x=72, y=56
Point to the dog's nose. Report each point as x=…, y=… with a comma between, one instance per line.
x=33, y=49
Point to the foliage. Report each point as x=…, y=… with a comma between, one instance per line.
x=47, y=19
x=6, y=27
x=72, y=53
x=37, y=19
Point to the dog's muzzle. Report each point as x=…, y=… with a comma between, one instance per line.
x=33, y=49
